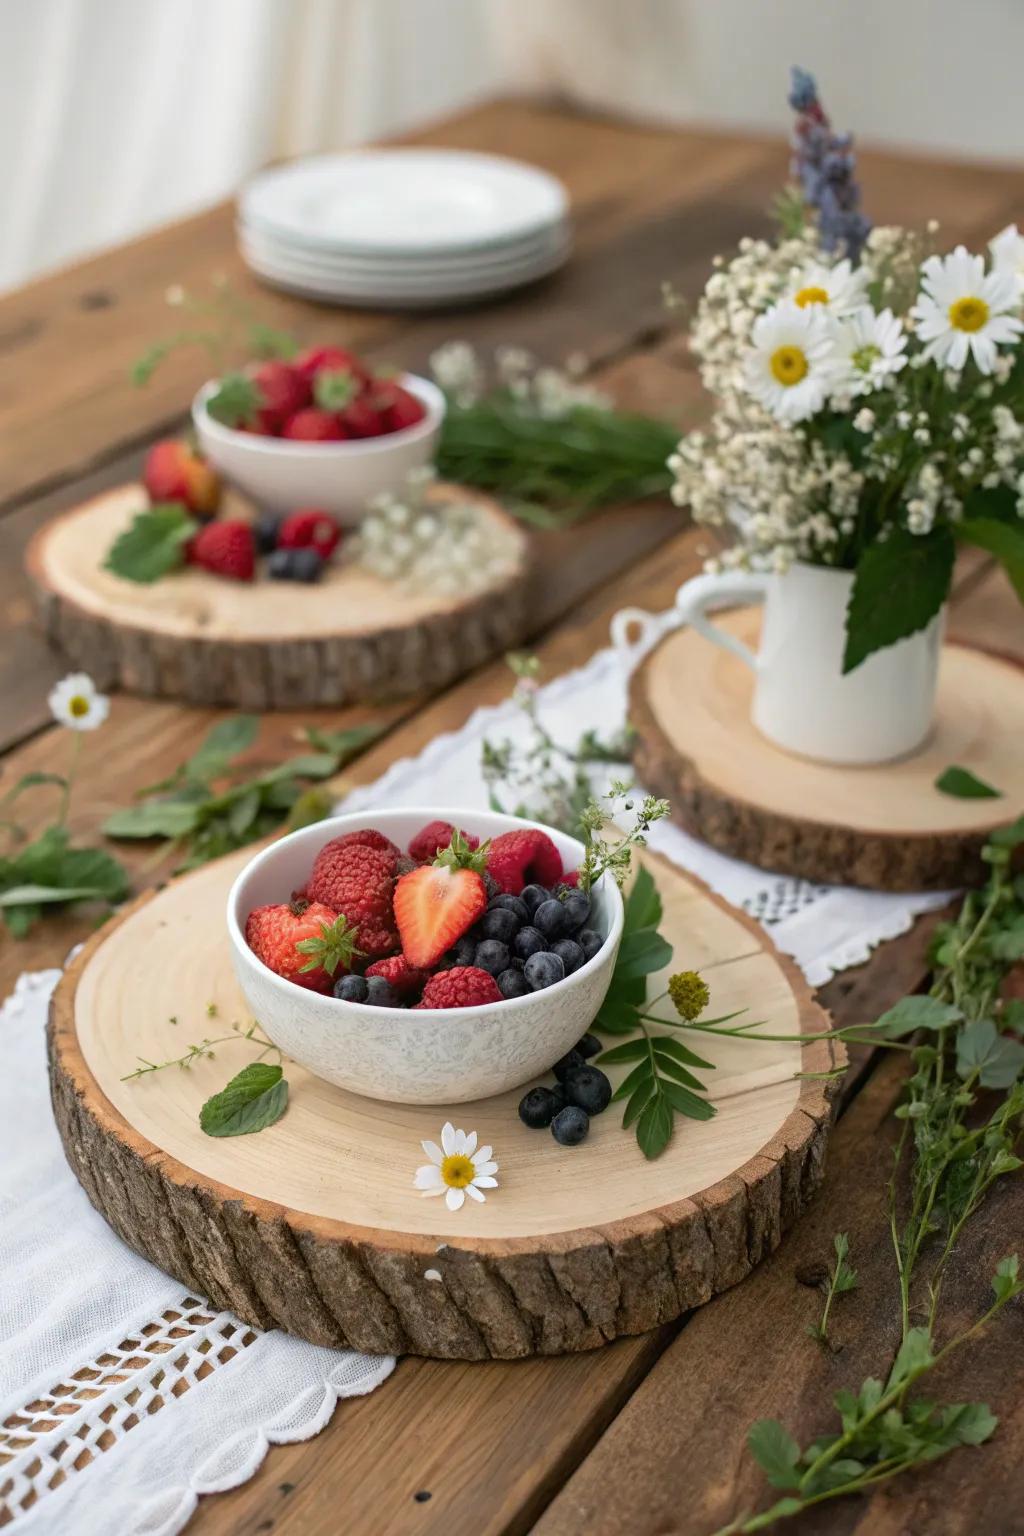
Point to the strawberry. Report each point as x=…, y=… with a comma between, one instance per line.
x=309, y=529
x=283, y=390
x=435, y=904
x=406, y=981
x=464, y=986
x=429, y=841
x=313, y=425
x=401, y=408
x=331, y=360
x=226, y=548
x=360, y=418
x=174, y=471
x=571, y=877
x=526, y=857
x=305, y=942
x=358, y=881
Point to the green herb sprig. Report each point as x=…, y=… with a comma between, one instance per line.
x=841, y=1280
x=204, y=818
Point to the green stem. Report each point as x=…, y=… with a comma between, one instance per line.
x=65, y=799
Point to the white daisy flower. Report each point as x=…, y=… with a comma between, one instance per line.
x=963, y=311
x=1007, y=252
x=457, y=1168
x=790, y=367
x=74, y=701
x=869, y=347
x=839, y=290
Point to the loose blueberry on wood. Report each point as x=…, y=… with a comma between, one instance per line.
x=512, y=983
x=307, y=564
x=499, y=923
x=528, y=942
x=570, y=953
x=538, y=1108
x=492, y=956
x=550, y=919
x=265, y=531
x=566, y=1064
x=570, y=1126
x=588, y=1088
x=588, y=1045
x=589, y=941
x=380, y=993
x=351, y=989
x=510, y=903
x=543, y=970
x=532, y=895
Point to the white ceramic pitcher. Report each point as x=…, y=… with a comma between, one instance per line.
x=802, y=701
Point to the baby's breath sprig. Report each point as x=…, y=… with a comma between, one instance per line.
x=613, y=854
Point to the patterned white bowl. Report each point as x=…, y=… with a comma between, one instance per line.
x=416, y=1056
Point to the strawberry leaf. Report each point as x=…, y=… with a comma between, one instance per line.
x=236, y=400
x=333, y=389
x=153, y=544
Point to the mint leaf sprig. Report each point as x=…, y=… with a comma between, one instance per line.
x=153, y=544
x=252, y=1100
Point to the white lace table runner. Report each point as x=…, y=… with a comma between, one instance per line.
x=826, y=928
x=122, y=1397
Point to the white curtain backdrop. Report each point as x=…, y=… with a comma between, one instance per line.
x=118, y=115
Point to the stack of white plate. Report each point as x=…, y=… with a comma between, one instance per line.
x=403, y=228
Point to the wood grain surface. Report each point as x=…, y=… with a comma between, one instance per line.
x=484, y=1449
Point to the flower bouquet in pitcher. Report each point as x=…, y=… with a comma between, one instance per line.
x=869, y=393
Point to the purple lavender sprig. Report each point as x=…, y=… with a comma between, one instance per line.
x=824, y=165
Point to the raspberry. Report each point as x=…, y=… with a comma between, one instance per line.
x=309, y=529
x=465, y=986
x=358, y=881
x=429, y=841
x=523, y=858
x=364, y=837
x=397, y=971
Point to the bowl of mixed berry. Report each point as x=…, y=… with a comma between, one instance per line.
x=321, y=429
x=424, y=956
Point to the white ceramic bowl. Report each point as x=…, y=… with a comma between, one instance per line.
x=340, y=478
x=416, y=1056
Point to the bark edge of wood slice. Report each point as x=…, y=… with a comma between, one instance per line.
x=883, y=827
x=348, y=638
x=286, y=1228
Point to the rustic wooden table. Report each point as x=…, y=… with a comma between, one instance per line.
x=645, y=1437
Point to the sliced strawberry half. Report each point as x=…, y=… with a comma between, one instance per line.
x=435, y=904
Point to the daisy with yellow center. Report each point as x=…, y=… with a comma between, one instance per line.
x=790, y=366
x=965, y=312
x=870, y=348
x=840, y=289
x=457, y=1168
x=1007, y=252
x=75, y=702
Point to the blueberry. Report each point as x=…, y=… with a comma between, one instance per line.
x=380, y=993
x=567, y=1063
x=570, y=954
x=558, y=1094
x=550, y=918
x=517, y=964
x=307, y=565
x=589, y=941
x=570, y=1126
x=491, y=885
x=511, y=903
x=589, y=1045
x=528, y=942
x=512, y=983
x=351, y=989
x=543, y=970
x=538, y=1108
x=588, y=1088
x=265, y=532
x=577, y=907
x=279, y=566
x=492, y=956
x=465, y=949
x=499, y=923
x=532, y=896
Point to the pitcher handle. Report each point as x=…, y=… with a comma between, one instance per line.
x=722, y=590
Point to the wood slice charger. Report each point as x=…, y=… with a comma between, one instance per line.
x=265, y=644
x=886, y=827
x=313, y=1225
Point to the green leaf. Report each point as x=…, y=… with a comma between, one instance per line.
x=997, y=1059
x=965, y=785
x=969, y=1423
x=654, y=1128
x=32, y=781
x=642, y=953
x=632, y=1050
x=667, y=1068
x=1004, y=539
x=265, y=341
x=227, y=740
x=775, y=1451
x=154, y=818
x=44, y=895
x=344, y=745
x=18, y=920
x=686, y=1103
x=243, y=812
x=1008, y=943
x=254, y=1099
x=668, y=1045
x=236, y=400
x=311, y=765
x=643, y=907
x=914, y=1356
x=153, y=543
x=633, y=1079
x=638, y=1100
x=899, y=586
x=917, y=1012
x=1006, y=1280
